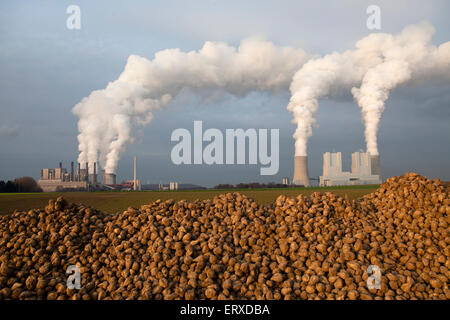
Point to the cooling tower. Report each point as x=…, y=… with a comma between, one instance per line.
x=301, y=171
x=110, y=178
x=375, y=165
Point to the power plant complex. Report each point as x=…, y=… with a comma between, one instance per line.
x=83, y=179
x=58, y=179
x=365, y=170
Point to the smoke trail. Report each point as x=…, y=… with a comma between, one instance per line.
x=320, y=78
x=374, y=91
x=107, y=117
x=379, y=63
x=407, y=56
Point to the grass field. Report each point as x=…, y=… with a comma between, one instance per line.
x=118, y=201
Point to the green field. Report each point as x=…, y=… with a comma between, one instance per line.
x=117, y=201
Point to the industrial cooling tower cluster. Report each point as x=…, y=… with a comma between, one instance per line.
x=301, y=176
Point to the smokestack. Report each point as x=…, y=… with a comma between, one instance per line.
x=134, y=180
x=60, y=165
x=79, y=171
x=301, y=171
x=375, y=165
x=87, y=167
x=71, y=171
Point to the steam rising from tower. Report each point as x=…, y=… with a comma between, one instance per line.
x=379, y=63
x=108, y=117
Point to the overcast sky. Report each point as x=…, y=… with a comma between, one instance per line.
x=46, y=69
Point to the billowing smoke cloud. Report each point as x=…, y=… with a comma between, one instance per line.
x=407, y=56
x=379, y=64
x=108, y=117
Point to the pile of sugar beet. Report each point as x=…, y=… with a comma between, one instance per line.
x=230, y=247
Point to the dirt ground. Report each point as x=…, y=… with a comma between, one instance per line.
x=113, y=202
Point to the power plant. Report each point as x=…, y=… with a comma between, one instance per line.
x=308, y=78
x=365, y=170
x=301, y=177
x=58, y=179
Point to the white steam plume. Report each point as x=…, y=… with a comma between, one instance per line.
x=379, y=64
x=407, y=56
x=107, y=117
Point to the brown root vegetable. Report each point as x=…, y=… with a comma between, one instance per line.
x=230, y=247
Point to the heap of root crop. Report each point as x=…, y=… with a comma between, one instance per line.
x=230, y=247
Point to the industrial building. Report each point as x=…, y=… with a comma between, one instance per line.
x=365, y=170
x=172, y=186
x=86, y=178
x=135, y=185
x=58, y=179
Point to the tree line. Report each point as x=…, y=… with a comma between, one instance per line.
x=22, y=184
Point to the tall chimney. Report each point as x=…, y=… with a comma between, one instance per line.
x=375, y=164
x=71, y=171
x=134, y=180
x=87, y=168
x=301, y=171
x=79, y=172
x=60, y=165
x=94, y=176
